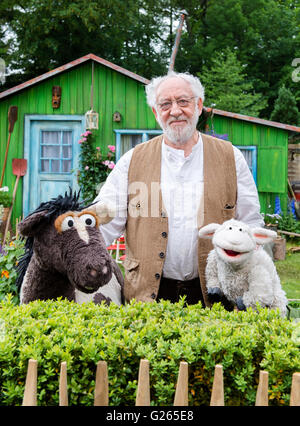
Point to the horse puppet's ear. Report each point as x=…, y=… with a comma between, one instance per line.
x=104, y=211
x=31, y=224
x=263, y=236
x=208, y=230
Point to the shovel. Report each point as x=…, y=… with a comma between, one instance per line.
x=12, y=118
x=19, y=166
x=297, y=205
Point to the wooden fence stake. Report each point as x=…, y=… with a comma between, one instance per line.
x=30, y=392
x=63, y=385
x=101, y=385
x=295, y=391
x=143, y=389
x=217, y=393
x=262, y=399
x=181, y=394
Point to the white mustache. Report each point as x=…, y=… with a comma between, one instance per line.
x=180, y=118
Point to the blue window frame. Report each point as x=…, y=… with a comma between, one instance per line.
x=250, y=154
x=56, y=152
x=129, y=138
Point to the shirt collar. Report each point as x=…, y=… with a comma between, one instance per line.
x=179, y=153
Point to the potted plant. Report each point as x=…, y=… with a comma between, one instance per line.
x=5, y=202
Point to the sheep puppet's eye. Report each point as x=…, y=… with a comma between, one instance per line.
x=88, y=219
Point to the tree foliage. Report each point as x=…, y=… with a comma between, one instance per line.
x=39, y=35
x=227, y=87
x=285, y=108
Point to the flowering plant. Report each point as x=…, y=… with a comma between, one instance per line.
x=94, y=166
x=5, y=197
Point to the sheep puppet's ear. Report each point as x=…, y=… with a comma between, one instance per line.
x=208, y=230
x=105, y=212
x=263, y=236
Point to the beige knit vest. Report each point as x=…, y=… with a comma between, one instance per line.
x=147, y=223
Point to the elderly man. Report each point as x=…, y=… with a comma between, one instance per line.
x=165, y=189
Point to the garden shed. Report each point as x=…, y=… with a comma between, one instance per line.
x=51, y=118
x=265, y=146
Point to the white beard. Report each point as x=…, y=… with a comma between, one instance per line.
x=180, y=135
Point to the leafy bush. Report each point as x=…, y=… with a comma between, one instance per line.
x=8, y=262
x=163, y=333
x=5, y=197
x=289, y=223
x=94, y=166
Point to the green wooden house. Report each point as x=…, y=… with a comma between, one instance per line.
x=47, y=130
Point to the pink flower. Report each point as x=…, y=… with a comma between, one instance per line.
x=106, y=162
x=111, y=147
x=86, y=168
x=111, y=165
x=98, y=148
x=80, y=141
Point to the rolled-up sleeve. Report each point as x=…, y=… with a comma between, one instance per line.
x=115, y=193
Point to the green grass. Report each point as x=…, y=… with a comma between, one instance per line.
x=289, y=272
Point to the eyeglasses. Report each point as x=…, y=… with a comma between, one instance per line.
x=182, y=103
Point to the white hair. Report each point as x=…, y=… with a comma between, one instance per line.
x=194, y=82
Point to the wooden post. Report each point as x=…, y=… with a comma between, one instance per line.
x=30, y=392
x=217, y=393
x=181, y=394
x=63, y=385
x=143, y=389
x=101, y=385
x=295, y=391
x=262, y=399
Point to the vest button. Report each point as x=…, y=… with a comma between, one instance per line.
x=153, y=295
x=157, y=276
x=164, y=234
x=162, y=255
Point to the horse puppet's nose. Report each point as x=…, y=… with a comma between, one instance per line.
x=93, y=273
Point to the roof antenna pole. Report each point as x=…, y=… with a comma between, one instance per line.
x=183, y=14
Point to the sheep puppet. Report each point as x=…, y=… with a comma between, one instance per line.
x=239, y=271
x=65, y=254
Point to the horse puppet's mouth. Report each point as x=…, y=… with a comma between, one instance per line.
x=87, y=289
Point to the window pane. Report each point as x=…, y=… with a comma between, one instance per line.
x=66, y=165
x=45, y=166
x=49, y=137
x=49, y=151
x=135, y=140
x=55, y=166
x=67, y=138
x=67, y=151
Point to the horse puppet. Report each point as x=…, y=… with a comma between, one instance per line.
x=66, y=256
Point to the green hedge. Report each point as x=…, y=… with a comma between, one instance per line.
x=163, y=333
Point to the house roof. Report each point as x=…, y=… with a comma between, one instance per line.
x=68, y=66
x=143, y=80
x=256, y=120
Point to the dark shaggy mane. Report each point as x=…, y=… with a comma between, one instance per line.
x=55, y=207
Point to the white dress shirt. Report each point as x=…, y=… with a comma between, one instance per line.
x=182, y=193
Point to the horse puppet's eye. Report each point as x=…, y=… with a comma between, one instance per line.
x=88, y=219
x=67, y=223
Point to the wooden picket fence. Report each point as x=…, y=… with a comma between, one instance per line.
x=143, y=390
